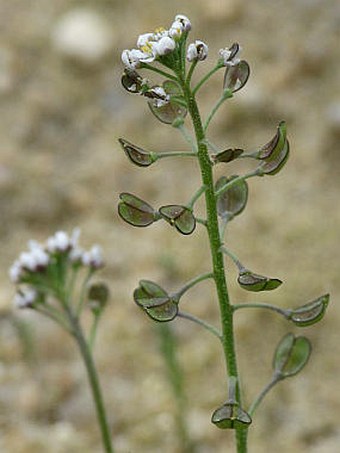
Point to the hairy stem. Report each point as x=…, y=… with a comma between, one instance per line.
x=226, y=310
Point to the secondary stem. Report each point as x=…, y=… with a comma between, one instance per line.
x=94, y=383
x=226, y=311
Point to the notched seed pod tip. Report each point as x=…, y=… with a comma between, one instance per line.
x=231, y=416
x=155, y=301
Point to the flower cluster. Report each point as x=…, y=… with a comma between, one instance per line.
x=44, y=266
x=152, y=46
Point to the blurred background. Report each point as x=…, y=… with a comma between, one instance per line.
x=62, y=109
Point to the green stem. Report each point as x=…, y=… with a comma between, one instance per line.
x=187, y=137
x=93, y=331
x=196, y=196
x=228, y=94
x=226, y=311
x=281, y=311
x=159, y=71
x=234, y=258
x=205, y=78
x=263, y=393
x=200, y=322
x=192, y=283
x=94, y=382
x=191, y=71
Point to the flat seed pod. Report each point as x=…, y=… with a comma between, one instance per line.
x=136, y=154
x=135, y=211
x=232, y=201
x=236, y=76
x=231, y=416
x=155, y=301
x=254, y=282
x=227, y=156
x=168, y=113
x=310, y=313
x=275, y=165
x=179, y=216
x=274, y=147
x=291, y=355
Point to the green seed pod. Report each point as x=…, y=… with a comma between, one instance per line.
x=291, y=355
x=226, y=156
x=136, y=154
x=155, y=301
x=276, y=164
x=232, y=201
x=135, y=211
x=254, y=282
x=310, y=313
x=236, y=76
x=273, y=148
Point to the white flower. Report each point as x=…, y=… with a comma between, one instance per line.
x=93, y=258
x=28, y=261
x=228, y=55
x=25, y=298
x=186, y=24
x=197, y=51
x=176, y=30
x=144, y=39
x=38, y=253
x=164, y=46
x=60, y=242
x=15, y=271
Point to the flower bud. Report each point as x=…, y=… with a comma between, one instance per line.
x=25, y=298
x=184, y=21
x=197, y=51
x=165, y=46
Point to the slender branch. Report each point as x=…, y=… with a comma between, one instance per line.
x=234, y=181
x=202, y=221
x=187, y=137
x=281, y=311
x=205, y=78
x=94, y=382
x=191, y=71
x=196, y=196
x=275, y=379
x=226, y=95
x=234, y=258
x=93, y=331
x=159, y=71
x=55, y=316
x=202, y=323
x=192, y=283
x=176, y=154
x=83, y=292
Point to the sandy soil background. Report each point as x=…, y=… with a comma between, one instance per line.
x=62, y=109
